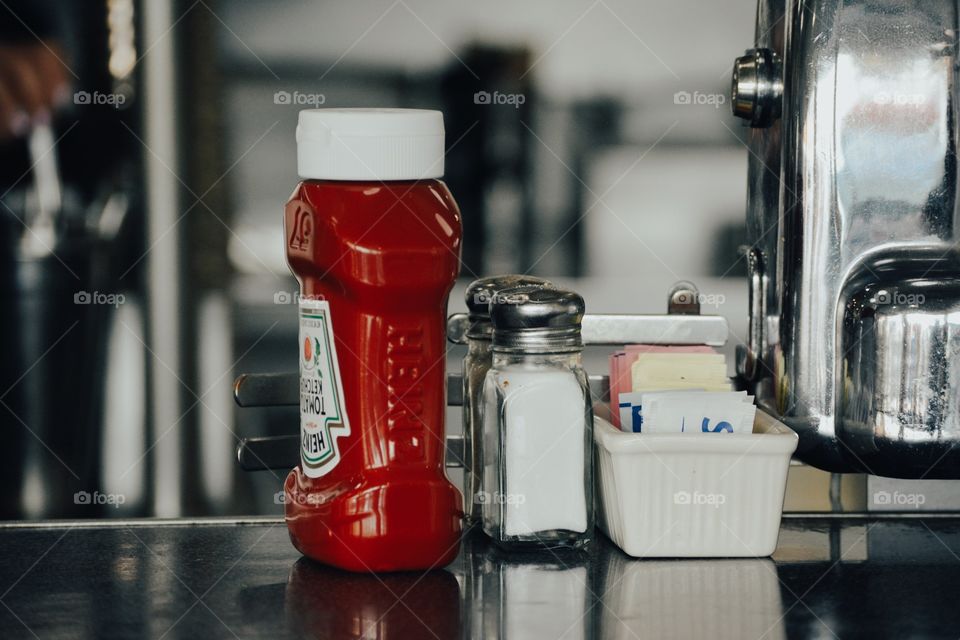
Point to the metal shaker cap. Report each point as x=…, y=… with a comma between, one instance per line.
x=480, y=293
x=537, y=320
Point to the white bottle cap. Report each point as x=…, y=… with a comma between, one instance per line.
x=370, y=144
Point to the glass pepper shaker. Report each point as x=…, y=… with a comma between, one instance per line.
x=476, y=363
x=538, y=423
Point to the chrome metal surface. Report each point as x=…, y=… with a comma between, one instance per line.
x=683, y=299
x=747, y=354
x=283, y=453
x=757, y=87
x=283, y=389
x=457, y=326
x=900, y=361
x=537, y=320
x=267, y=389
x=480, y=293
x=619, y=329
x=853, y=192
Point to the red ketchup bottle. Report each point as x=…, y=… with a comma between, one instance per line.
x=373, y=236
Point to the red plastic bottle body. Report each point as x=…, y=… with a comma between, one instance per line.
x=384, y=256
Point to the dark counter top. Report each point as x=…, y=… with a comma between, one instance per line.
x=830, y=577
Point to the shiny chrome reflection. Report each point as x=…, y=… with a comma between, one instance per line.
x=900, y=362
x=756, y=88
x=852, y=192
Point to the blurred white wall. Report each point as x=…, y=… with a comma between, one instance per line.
x=621, y=47
x=661, y=214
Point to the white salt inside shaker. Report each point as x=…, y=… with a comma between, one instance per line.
x=544, y=456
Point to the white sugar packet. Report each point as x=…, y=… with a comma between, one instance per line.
x=687, y=412
x=631, y=407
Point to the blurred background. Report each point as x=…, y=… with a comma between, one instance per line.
x=142, y=193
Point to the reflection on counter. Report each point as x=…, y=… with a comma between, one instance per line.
x=543, y=594
x=691, y=599
x=607, y=594
x=830, y=577
x=323, y=602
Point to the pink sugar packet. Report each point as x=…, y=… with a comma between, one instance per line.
x=622, y=361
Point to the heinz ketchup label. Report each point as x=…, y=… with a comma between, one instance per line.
x=323, y=416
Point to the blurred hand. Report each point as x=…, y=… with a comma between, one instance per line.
x=33, y=81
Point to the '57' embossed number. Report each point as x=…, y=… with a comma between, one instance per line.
x=300, y=219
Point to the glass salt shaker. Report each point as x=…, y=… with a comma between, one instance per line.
x=475, y=366
x=538, y=423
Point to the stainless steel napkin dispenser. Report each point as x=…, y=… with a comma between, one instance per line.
x=853, y=228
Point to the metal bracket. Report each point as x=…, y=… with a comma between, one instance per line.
x=282, y=389
x=618, y=329
x=682, y=326
x=283, y=453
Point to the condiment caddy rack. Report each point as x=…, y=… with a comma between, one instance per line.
x=660, y=495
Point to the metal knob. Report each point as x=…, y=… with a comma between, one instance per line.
x=683, y=299
x=756, y=92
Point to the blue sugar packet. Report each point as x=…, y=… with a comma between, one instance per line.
x=686, y=411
